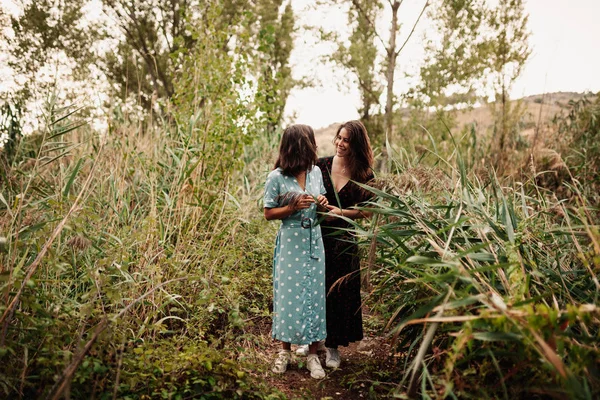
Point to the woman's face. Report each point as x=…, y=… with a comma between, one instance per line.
x=342, y=143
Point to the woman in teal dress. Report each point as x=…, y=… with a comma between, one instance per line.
x=292, y=193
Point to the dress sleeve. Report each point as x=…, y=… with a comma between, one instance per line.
x=271, y=191
x=322, y=189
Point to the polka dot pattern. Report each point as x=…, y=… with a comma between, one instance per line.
x=298, y=265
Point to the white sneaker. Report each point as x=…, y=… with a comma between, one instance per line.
x=332, y=359
x=303, y=349
x=314, y=366
x=282, y=361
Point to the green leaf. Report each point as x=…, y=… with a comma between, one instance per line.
x=66, y=129
x=5, y=203
x=430, y=261
x=463, y=302
x=486, y=257
x=67, y=187
x=496, y=336
x=508, y=221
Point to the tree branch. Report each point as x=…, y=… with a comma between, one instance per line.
x=413, y=28
x=368, y=89
x=364, y=14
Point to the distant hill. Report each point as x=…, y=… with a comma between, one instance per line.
x=548, y=104
x=324, y=137
x=539, y=107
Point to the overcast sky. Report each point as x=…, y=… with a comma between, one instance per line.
x=565, y=56
x=565, y=42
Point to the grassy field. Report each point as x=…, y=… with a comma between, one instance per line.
x=138, y=265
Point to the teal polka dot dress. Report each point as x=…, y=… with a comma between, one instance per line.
x=298, y=264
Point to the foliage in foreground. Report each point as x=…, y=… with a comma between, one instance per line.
x=124, y=273
x=130, y=272
x=490, y=291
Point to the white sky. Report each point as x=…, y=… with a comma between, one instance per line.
x=565, y=57
x=565, y=42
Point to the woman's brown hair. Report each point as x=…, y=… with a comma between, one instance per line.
x=360, y=160
x=297, y=150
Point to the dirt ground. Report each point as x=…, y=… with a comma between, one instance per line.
x=362, y=362
x=369, y=368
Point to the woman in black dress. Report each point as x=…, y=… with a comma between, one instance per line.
x=352, y=162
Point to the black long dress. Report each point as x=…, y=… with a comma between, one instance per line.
x=343, y=302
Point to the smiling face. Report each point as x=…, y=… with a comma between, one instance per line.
x=342, y=143
x=352, y=142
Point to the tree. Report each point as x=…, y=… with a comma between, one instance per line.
x=145, y=59
x=153, y=37
x=49, y=33
x=149, y=40
x=275, y=47
x=216, y=115
x=508, y=50
x=365, y=13
x=360, y=56
x=455, y=60
x=140, y=61
x=478, y=48
x=391, y=54
x=452, y=73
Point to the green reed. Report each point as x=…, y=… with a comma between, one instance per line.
x=500, y=281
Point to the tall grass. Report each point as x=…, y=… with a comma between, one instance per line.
x=136, y=265
x=123, y=275
x=490, y=290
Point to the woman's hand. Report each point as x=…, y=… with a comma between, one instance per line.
x=304, y=202
x=333, y=213
x=351, y=213
x=322, y=203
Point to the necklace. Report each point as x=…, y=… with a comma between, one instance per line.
x=343, y=169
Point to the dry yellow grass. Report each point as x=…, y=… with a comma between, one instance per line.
x=537, y=109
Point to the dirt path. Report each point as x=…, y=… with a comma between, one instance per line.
x=363, y=364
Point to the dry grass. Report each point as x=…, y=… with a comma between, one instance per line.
x=418, y=179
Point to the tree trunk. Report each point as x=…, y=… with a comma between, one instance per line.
x=391, y=67
x=504, y=142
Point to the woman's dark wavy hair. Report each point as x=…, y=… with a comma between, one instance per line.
x=297, y=150
x=361, y=155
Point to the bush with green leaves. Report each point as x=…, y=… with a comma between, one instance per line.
x=132, y=238
x=104, y=251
